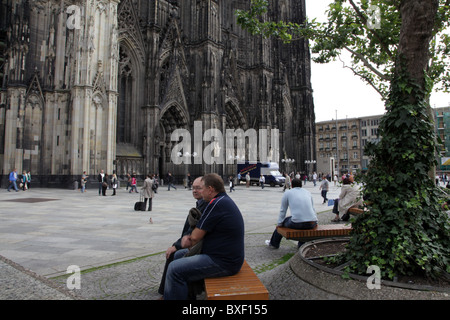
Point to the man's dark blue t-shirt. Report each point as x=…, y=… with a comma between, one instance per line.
x=224, y=239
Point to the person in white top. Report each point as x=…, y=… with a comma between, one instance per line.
x=314, y=177
x=350, y=197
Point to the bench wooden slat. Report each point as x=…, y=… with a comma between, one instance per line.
x=245, y=285
x=355, y=211
x=320, y=231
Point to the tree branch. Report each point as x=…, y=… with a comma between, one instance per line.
x=370, y=82
x=367, y=63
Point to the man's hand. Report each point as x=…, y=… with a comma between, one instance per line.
x=169, y=251
x=186, y=242
x=192, y=239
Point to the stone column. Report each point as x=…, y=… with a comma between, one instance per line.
x=151, y=115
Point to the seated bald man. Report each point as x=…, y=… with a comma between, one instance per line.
x=221, y=228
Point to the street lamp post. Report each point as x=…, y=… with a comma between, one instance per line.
x=308, y=162
x=288, y=163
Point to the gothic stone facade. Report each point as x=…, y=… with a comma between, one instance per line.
x=90, y=85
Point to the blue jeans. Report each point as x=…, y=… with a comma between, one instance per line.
x=170, y=185
x=183, y=270
x=13, y=184
x=324, y=195
x=288, y=223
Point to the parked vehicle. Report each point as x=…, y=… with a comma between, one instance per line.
x=270, y=171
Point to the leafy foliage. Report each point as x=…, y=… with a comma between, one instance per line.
x=373, y=49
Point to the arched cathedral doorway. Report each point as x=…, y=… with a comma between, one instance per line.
x=129, y=157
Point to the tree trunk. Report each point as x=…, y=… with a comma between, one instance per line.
x=418, y=18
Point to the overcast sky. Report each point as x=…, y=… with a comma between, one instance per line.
x=337, y=89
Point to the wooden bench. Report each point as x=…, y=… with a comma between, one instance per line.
x=319, y=232
x=244, y=285
x=355, y=211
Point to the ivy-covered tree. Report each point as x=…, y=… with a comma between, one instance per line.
x=404, y=231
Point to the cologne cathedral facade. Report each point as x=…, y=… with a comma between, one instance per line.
x=91, y=85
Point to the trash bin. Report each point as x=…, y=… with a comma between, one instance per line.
x=75, y=185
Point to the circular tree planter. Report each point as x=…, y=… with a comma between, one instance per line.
x=330, y=280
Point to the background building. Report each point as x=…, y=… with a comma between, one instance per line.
x=442, y=127
x=344, y=146
x=369, y=133
x=90, y=85
x=340, y=144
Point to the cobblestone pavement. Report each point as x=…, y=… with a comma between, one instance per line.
x=120, y=254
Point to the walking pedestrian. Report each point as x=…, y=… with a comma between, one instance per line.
x=287, y=182
x=13, y=180
x=262, y=180
x=231, y=183
x=247, y=180
x=100, y=179
x=114, y=183
x=128, y=181
x=83, y=181
x=23, y=182
x=133, y=184
x=324, y=186
x=28, y=179
x=155, y=183
x=170, y=181
x=105, y=184
x=189, y=181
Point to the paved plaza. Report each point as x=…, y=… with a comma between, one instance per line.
x=48, y=230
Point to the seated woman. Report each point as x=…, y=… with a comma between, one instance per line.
x=350, y=197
